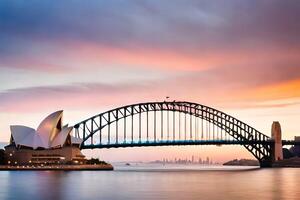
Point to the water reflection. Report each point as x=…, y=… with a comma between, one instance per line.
x=149, y=183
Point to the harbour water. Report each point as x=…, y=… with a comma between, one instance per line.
x=153, y=182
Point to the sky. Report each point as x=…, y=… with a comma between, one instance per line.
x=241, y=57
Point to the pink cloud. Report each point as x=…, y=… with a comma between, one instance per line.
x=67, y=55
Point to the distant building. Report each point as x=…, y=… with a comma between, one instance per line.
x=295, y=150
x=51, y=143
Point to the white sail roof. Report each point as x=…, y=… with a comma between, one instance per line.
x=50, y=126
x=49, y=134
x=61, y=137
x=26, y=136
x=75, y=140
x=33, y=140
x=19, y=132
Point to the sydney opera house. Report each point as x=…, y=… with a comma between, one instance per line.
x=51, y=143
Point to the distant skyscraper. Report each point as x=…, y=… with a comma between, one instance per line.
x=200, y=161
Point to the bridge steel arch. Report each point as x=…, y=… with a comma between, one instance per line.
x=257, y=143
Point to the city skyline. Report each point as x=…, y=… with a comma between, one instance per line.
x=187, y=160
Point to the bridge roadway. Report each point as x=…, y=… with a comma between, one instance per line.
x=290, y=142
x=185, y=142
x=174, y=143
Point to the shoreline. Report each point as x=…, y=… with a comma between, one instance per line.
x=293, y=162
x=107, y=167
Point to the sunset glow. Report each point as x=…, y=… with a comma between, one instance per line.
x=241, y=57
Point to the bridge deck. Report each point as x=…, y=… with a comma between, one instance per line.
x=290, y=142
x=173, y=143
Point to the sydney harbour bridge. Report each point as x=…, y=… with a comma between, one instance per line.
x=171, y=123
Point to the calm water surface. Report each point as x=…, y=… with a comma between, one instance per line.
x=153, y=182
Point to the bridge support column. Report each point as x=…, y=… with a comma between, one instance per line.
x=276, y=136
x=265, y=163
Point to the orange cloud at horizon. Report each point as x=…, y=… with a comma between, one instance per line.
x=282, y=90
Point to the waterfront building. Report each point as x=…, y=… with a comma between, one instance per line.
x=50, y=143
